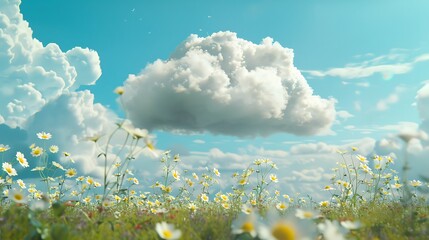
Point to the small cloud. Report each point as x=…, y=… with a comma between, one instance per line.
x=384, y=104
x=199, y=141
x=344, y=115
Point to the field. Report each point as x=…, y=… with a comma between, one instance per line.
x=367, y=199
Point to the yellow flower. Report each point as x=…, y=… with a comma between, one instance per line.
x=58, y=165
x=17, y=196
x=44, y=136
x=281, y=206
x=176, y=175
x=21, y=183
x=324, y=204
x=192, y=207
x=89, y=180
x=204, y=197
x=216, y=172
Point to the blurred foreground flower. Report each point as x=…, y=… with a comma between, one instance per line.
x=245, y=223
x=167, y=231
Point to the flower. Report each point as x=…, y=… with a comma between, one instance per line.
x=71, y=172
x=331, y=230
x=281, y=206
x=192, y=207
x=167, y=231
x=176, y=175
x=244, y=223
x=7, y=167
x=21, y=183
x=4, y=148
x=305, y=214
x=274, y=178
x=204, y=198
x=58, y=165
x=119, y=90
x=324, y=204
x=216, y=172
x=362, y=159
x=415, y=183
x=38, y=169
x=285, y=229
x=350, y=225
x=36, y=151
x=21, y=159
x=17, y=196
x=44, y=136
x=53, y=149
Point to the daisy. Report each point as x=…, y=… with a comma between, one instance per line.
x=17, y=196
x=216, y=172
x=176, y=175
x=4, y=148
x=44, y=135
x=281, y=206
x=167, y=231
x=58, y=165
x=53, y=149
x=21, y=183
x=21, y=159
x=192, y=207
x=305, y=214
x=7, y=167
x=36, y=151
x=204, y=198
x=274, y=178
x=245, y=223
x=71, y=172
x=119, y=90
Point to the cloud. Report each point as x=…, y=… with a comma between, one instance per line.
x=71, y=119
x=387, y=66
x=32, y=74
x=384, y=104
x=344, y=115
x=226, y=85
x=199, y=141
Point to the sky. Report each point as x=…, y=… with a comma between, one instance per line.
x=222, y=83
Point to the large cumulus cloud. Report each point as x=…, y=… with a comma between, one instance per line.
x=227, y=85
x=32, y=74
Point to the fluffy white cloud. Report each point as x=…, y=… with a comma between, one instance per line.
x=32, y=74
x=384, y=104
x=71, y=119
x=227, y=85
x=394, y=63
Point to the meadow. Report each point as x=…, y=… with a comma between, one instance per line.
x=367, y=199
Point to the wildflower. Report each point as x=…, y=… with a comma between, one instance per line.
x=57, y=165
x=195, y=176
x=21, y=183
x=415, y=183
x=285, y=229
x=36, y=151
x=253, y=202
x=331, y=230
x=324, y=204
x=80, y=179
x=192, y=207
x=305, y=214
x=189, y=182
x=328, y=188
x=224, y=197
x=7, y=167
x=44, y=135
x=273, y=178
x=97, y=184
x=350, y=225
x=245, y=223
x=362, y=159
x=176, y=158
x=53, y=149
x=176, y=175
x=281, y=206
x=117, y=198
x=71, y=172
x=38, y=169
x=204, y=198
x=135, y=181
x=216, y=172
x=119, y=90
x=4, y=148
x=66, y=154
x=16, y=196
x=33, y=145
x=21, y=159
x=89, y=180
x=354, y=149
x=242, y=181
x=246, y=209
x=167, y=231
x=225, y=205
x=87, y=200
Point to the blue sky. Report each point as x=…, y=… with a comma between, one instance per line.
x=369, y=57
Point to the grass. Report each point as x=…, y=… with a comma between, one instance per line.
x=368, y=200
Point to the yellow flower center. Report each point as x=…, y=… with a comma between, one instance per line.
x=247, y=227
x=9, y=170
x=283, y=231
x=167, y=234
x=308, y=214
x=18, y=197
